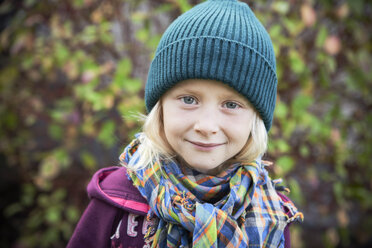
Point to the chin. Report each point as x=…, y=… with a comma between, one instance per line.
x=208, y=171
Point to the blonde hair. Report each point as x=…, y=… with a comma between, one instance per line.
x=155, y=148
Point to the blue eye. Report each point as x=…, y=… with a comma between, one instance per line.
x=231, y=105
x=188, y=100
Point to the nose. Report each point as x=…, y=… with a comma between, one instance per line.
x=207, y=123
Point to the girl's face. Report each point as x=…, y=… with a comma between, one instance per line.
x=206, y=123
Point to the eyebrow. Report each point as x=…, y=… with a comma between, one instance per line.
x=229, y=95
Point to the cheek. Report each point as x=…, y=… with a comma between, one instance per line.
x=172, y=129
x=167, y=117
x=242, y=139
x=170, y=124
x=171, y=114
x=241, y=130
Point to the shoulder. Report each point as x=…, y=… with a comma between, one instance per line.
x=113, y=186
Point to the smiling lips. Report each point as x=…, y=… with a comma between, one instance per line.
x=205, y=146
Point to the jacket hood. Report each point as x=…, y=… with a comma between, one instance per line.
x=112, y=186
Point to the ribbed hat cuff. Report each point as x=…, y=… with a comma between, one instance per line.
x=214, y=58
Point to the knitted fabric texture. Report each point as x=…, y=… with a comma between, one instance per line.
x=237, y=208
x=219, y=40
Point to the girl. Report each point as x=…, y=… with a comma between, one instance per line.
x=194, y=177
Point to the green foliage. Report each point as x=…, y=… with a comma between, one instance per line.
x=317, y=139
x=71, y=88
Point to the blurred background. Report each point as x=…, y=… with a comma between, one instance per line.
x=72, y=75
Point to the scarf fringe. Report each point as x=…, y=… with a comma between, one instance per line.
x=294, y=214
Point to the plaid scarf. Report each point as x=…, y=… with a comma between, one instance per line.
x=237, y=208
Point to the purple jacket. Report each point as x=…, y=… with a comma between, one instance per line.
x=116, y=214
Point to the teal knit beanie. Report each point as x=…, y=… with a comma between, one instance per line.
x=219, y=40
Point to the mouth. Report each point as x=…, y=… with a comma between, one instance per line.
x=204, y=146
